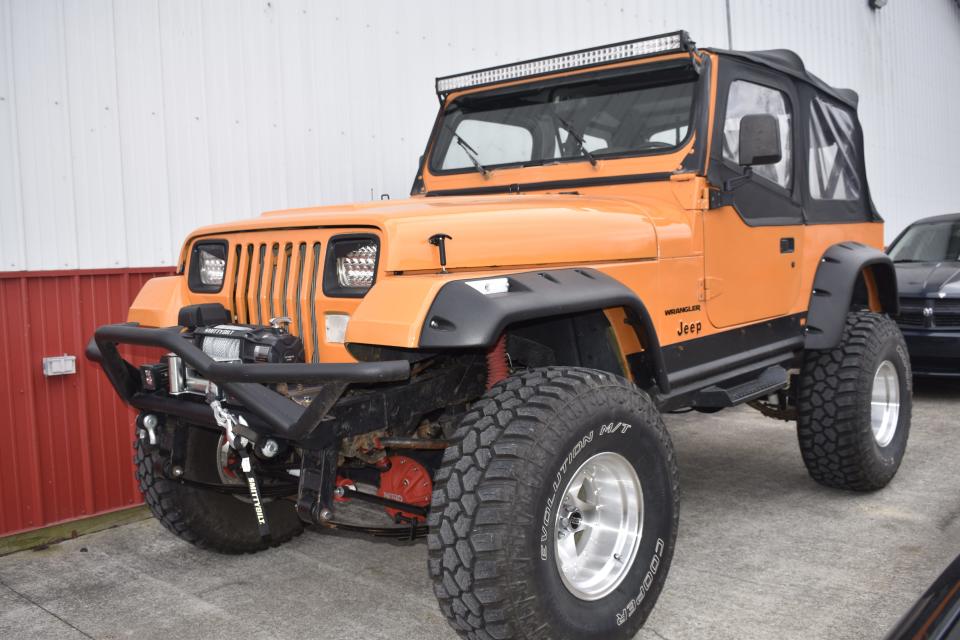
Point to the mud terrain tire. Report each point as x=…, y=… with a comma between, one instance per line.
x=505, y=481
x=207, y=519
x=834, y=422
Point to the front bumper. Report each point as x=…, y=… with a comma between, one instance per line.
x=265, y=411
x=933, y=352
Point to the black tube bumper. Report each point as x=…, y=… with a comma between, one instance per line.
x=269, y=411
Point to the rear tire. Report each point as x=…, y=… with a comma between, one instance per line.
x=210, y=520
x=854, y=405
x=518, y=511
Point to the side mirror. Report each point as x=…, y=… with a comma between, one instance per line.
x=759, y=140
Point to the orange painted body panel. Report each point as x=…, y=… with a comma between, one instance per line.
x=653, y=246
x=698, y=271
x=498, y=231
x=159, y=302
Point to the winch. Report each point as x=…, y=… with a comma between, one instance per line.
x=250, y=343
x=240, y=343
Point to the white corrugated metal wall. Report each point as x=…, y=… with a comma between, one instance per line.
x=126, y=123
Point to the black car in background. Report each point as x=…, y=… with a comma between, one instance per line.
x=936, y=615
x=927, y=259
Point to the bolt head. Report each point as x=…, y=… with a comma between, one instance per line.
x=177, y=472
x=270, y=448
x=150, y=421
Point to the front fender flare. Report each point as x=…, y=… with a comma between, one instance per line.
x=833, y=289
x=461, y=317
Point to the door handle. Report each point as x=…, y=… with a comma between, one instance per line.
x=786, y=245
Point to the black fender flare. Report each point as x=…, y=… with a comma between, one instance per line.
x=461, y=317
x=833, y=288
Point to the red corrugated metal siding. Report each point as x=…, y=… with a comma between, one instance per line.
x=66, y=440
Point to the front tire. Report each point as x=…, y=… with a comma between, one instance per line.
x=854, y=405
x=208, y=519
x=551, y=473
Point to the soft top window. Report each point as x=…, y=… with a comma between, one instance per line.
x=747, y=98
x=648, y=111
x=834, y=161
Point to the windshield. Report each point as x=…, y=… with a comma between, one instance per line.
x=603, y=116
x=929, y=242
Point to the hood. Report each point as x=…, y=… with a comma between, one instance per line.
x=928, y=279
x=486, y=231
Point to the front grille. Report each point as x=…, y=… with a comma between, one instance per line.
x=910, y=320
x=911, y=312
x=945, y=320
x=946, y=313
x=278, y=279
x=948, y=305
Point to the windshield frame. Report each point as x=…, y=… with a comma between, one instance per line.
x=450, y=107
x=689, y=156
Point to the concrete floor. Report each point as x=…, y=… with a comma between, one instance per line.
x=763, y=553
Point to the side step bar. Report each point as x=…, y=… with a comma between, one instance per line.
x=716, y=397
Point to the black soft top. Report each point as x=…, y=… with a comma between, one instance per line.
x=788, y=62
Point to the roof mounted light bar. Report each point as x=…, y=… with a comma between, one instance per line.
x=628, y=50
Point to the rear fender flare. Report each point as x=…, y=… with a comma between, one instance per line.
x=840, y=268
x=461, y=317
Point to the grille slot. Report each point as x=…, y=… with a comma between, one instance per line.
x=236, y=282
x=287, y=255
x=298, y=318
x=314, y=272
x=278, y=279
x=272, y=293
x=259, y=297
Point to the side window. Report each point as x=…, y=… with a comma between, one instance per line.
x=748, y=98
x=833, y=153
x=494, y=142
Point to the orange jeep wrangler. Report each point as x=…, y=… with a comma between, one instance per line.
x=593, y=239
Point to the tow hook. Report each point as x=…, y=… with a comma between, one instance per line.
x=148, y=431
x=227, y=421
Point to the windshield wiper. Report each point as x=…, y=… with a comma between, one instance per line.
x=579, y=140
x=471, y=153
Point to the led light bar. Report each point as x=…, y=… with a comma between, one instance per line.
x=678, y=41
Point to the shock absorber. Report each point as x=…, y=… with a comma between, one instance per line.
x=497, y=367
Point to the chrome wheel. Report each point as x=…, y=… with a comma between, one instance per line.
x=885, y=403
x=598, y=526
